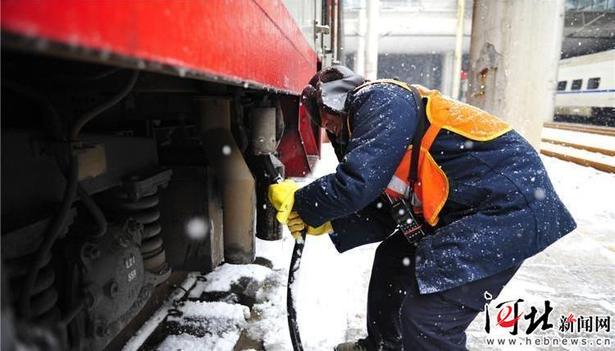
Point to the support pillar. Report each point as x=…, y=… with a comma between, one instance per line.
x=234, y=177
x=514, y=56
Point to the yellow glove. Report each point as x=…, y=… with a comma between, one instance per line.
x=282, y=197
x=296, y=225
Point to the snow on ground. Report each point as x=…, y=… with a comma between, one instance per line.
x=589, y=139
x=576, y=274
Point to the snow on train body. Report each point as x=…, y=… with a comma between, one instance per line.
x=586, y=88
x=134, y=135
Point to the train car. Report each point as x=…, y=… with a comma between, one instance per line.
x=134, y=139
x=586, y=89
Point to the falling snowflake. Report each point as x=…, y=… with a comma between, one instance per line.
x=539, y=193
x=226, y=150
x=197, y=228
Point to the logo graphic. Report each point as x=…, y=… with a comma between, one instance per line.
x=508, y=316
x=517, y=315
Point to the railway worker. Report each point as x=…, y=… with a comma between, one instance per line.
x=481, y=191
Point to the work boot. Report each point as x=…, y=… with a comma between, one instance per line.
x=359, y=345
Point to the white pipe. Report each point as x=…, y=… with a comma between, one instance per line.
x=446, y=86
x=371, y=47
x=458, y=50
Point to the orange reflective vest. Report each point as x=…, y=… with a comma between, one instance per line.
x=431, y=189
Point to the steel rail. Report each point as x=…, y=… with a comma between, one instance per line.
x=581, y=128
x=599, y=150
x=580, y=161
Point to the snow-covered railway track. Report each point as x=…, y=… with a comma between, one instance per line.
x=588, y=146
x=235, y=307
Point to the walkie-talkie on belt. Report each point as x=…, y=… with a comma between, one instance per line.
x=407, y=224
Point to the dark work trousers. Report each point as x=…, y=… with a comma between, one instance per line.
x=398, y=318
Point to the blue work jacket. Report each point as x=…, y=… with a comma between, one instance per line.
x=501, y=207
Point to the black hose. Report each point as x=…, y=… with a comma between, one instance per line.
x=59, y=224
x=57, y=227
x=87, y=201
x=88, y=116
x=295, y=262
x=90, y=205
x=95, y=211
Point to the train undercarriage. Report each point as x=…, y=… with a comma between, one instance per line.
x=115, y=177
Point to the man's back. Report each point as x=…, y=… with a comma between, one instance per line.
x=501, y=206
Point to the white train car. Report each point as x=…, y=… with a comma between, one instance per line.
x=586, y=88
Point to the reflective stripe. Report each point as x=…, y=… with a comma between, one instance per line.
x=398, y=185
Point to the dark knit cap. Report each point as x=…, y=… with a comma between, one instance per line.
x=329, y=89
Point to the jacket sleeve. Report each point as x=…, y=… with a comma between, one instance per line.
x=382, y=122
x=374, y=223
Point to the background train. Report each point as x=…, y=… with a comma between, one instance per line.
x=134, y=136
x=586, y=89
